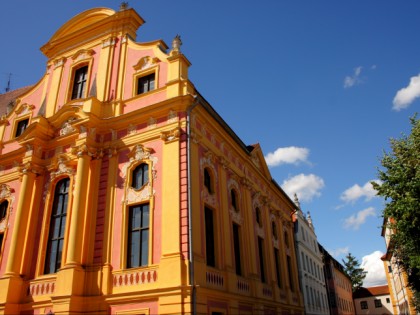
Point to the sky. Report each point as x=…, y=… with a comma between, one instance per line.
x=321, y=85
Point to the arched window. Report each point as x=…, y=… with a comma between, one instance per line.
x=208, y=182
x=140, y=176
x=3, y=209
x=258, y=216
x=57, y=227
x=286, y=239
x=234, y=199
x=274, y=229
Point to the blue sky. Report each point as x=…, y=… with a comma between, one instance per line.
x=321, y=85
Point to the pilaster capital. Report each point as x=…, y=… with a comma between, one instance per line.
x=30, y=168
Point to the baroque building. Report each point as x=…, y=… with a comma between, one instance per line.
x=311, y=275
x=400, y=292
x=122, y=191
x=339, y=288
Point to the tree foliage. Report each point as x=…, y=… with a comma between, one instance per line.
x=353, y=270
x=400, y=186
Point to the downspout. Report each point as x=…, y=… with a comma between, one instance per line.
x=190, y=238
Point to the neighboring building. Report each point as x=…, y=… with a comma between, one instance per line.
x=373, y=300
x=311, y=275
x=401, y=294
x=339, y=289
x=122, y=190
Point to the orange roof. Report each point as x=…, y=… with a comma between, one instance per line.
x=371, y=291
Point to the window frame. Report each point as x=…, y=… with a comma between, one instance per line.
x=16, y=126
x=142, y=74
x=141, y=229
x=237, y=251
x=87, y=62
x=79, y=93
x=5, y=218
x=144, y=181
x=378, y=303
x=46, y=223
x=210, y=242
x=48, y=228
x=208, y=180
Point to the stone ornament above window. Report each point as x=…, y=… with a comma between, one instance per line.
x=145, y=63
x=139, y=153
x=83, y=54
x=6, y=191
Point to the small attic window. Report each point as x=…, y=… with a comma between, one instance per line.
x=146, y=83
x=79, y=83
x=21, y=126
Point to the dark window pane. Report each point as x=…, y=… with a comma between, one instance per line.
x=140, y=176
x=210, y=249
x=57, y=227
x=138, y=236
x=237, y=249
x=261, y=256
x=277, y=261
x=79, y=84
x=146, y=83
x=21, y=126
x=3, y=209
x=207, y=180
x=144, y=247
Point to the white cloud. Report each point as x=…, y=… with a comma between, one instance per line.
x=407, y=95
x=374, y=266
x=305, y=186
x=355, y=192
x=356, y=220
x=354, y=79
x=288, y=155
x=339, y=251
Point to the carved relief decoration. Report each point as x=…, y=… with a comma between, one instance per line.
x=61, y=167
x=145, y=63
x=139, y=153
x=24, y=109
x=66, y=127
x=172, y=116
x=151, y=123
x=6, y=193
x=83, y=54
x=171, y=135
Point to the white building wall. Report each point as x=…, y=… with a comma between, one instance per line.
x=311, y=276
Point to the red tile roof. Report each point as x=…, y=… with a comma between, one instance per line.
x=371, y=291
x=10, y=97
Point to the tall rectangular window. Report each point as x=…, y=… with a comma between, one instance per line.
x=21, y=126
x=261, y=256
x=79, y=83
x=210, y=243
x=138, y=236
x=237, y=249
x=277, y=261
x=57, y=227
x=146, y=83
x=289, y=271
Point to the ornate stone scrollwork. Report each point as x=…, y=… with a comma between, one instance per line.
x=151, y=123
x=145, y=63
x=83, y=54
x=24, y=109
x=5, y=191
x=61, y=167
x=172, y=117
x=139, y=154
x=66, y=128
x=171, y=135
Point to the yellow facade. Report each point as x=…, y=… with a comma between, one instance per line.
x=126, y=193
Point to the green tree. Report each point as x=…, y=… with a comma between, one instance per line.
x=353, y=270
x=400, y=186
